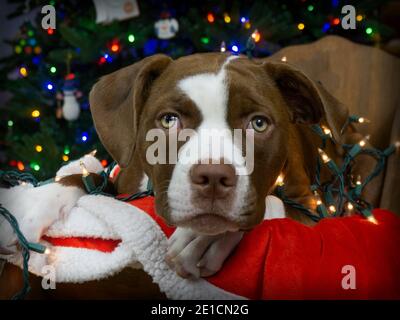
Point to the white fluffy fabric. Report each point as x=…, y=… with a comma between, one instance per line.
x=142, y=242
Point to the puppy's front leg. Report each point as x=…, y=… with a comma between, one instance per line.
x=193, y=255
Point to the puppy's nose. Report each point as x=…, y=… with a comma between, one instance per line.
x=213, y=180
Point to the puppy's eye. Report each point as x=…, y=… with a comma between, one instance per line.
x=169, y=121
x=258, y=123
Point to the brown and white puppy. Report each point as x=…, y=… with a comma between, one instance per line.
x=210, y=203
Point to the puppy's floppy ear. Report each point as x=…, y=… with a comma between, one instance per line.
x=116, y=103
x=308, y=101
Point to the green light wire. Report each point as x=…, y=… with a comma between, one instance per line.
x=345, y=192
x=24, y=244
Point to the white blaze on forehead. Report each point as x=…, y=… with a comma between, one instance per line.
x=209, y=92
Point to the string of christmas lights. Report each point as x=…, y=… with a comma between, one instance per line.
x=341, y=194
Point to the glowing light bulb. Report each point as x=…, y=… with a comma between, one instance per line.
x=336, y=21
x=38, y=148
x=358, y=182
x=115, y=47
x=301, y=26
x=210, y=17
x=235, y=48
x=362, y=120
x=256, y=36
x=227, y=18
x=20, y=166
x=205, y=40
x=85, y=172
x=35, y=113
x=372, y=219
x=318, y=198
x=350, y=206
x=359, y=17
x=37, y=50
x=223, y=46
x=323, y=156
x=363, y=142
x=131, y=38
x=332, y=209
x=247, y=25
x=326, y=130
x=279, y=180
x=65, y=158
x=23, y=71
x=284, y=59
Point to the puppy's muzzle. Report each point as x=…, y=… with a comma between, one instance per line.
x=213, y=186
x=213, y=181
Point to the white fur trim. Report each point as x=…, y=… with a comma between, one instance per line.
x=81, y=223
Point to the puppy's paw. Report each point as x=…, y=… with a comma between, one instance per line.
x=193, y=255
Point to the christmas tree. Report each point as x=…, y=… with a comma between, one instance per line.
x=47, y=120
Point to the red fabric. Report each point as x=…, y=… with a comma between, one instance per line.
x=283, y=259
x=147, y=205
x=82, y=242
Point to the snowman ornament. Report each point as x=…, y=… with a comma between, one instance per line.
x=70, y=107
x=166, y=27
